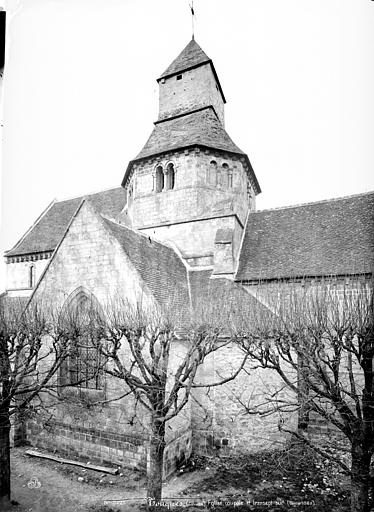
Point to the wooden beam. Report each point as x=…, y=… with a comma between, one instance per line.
x=102, y=469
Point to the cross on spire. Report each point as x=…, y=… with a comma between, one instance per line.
x=193, y=19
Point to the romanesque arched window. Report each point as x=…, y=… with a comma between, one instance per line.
x=170, y=176
x=212, y=172
x=230, y=180
x=219, y=177
x=225, y=175
x=159, y=179
x=84, y=365
x=31, y=276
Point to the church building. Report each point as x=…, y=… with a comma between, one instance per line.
x=183, y=224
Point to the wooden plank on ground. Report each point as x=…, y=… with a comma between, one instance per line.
x=102, y=469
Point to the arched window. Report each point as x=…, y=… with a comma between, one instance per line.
x=225, y=175
x=170, y=176
x=212, y=172
x=159, y=179
x=83, y=366
x=219, y=178
x=31, y=276
x=229, y=179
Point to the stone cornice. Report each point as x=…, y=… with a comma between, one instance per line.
x=29, y=257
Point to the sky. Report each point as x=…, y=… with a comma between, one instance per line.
x=80, y=94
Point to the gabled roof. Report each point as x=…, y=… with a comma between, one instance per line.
x=191, y=56
x=334, y=237
x=158, y=265
x=47, y=231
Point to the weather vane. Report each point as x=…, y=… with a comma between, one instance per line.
x=193, y=16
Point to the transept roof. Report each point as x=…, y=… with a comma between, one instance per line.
x=49, y=228
x=332, y=237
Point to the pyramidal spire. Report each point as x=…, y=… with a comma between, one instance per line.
x=191, y=56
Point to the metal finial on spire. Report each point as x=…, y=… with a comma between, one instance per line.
x=192, y=16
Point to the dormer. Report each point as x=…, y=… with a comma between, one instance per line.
x=189, y=84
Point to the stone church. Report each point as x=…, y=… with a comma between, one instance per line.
x=184, y=224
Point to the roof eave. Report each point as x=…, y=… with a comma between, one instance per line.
x=260, y=280
x=188, y=146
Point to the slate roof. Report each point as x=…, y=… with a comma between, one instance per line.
x=48, y=230
x=201, y=127
x=158, y=265
x=220, y=296
x=334, y=237
x=191, y=56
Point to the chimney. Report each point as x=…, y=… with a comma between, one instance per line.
x=223, y=251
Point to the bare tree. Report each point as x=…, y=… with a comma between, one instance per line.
x=33, y=346
x=157, y=354
x=320, y=342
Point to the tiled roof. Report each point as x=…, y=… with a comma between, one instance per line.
x=201, y=127
x=48, y=230
x=219, y=296
x=191, y=56
x=158, y=265
x=334, y=237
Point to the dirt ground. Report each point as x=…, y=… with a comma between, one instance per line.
x=39, y=485
x=276, y=481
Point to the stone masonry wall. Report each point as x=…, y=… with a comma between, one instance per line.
x=195, y=89
x=171, y=214
x=339, y=289
x=91, y=258
x=18, y=273
x=220, y=421
x=99, y=446
x=112, y=430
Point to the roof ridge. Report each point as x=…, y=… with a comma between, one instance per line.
x=82, y=196
x=137, y=232
x=298, y=205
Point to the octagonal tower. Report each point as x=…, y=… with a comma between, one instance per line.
x=190, y=184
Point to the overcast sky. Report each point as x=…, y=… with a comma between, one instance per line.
x=80, y=94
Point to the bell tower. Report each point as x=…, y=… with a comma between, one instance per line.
x=190, y=184
x=190, y=83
